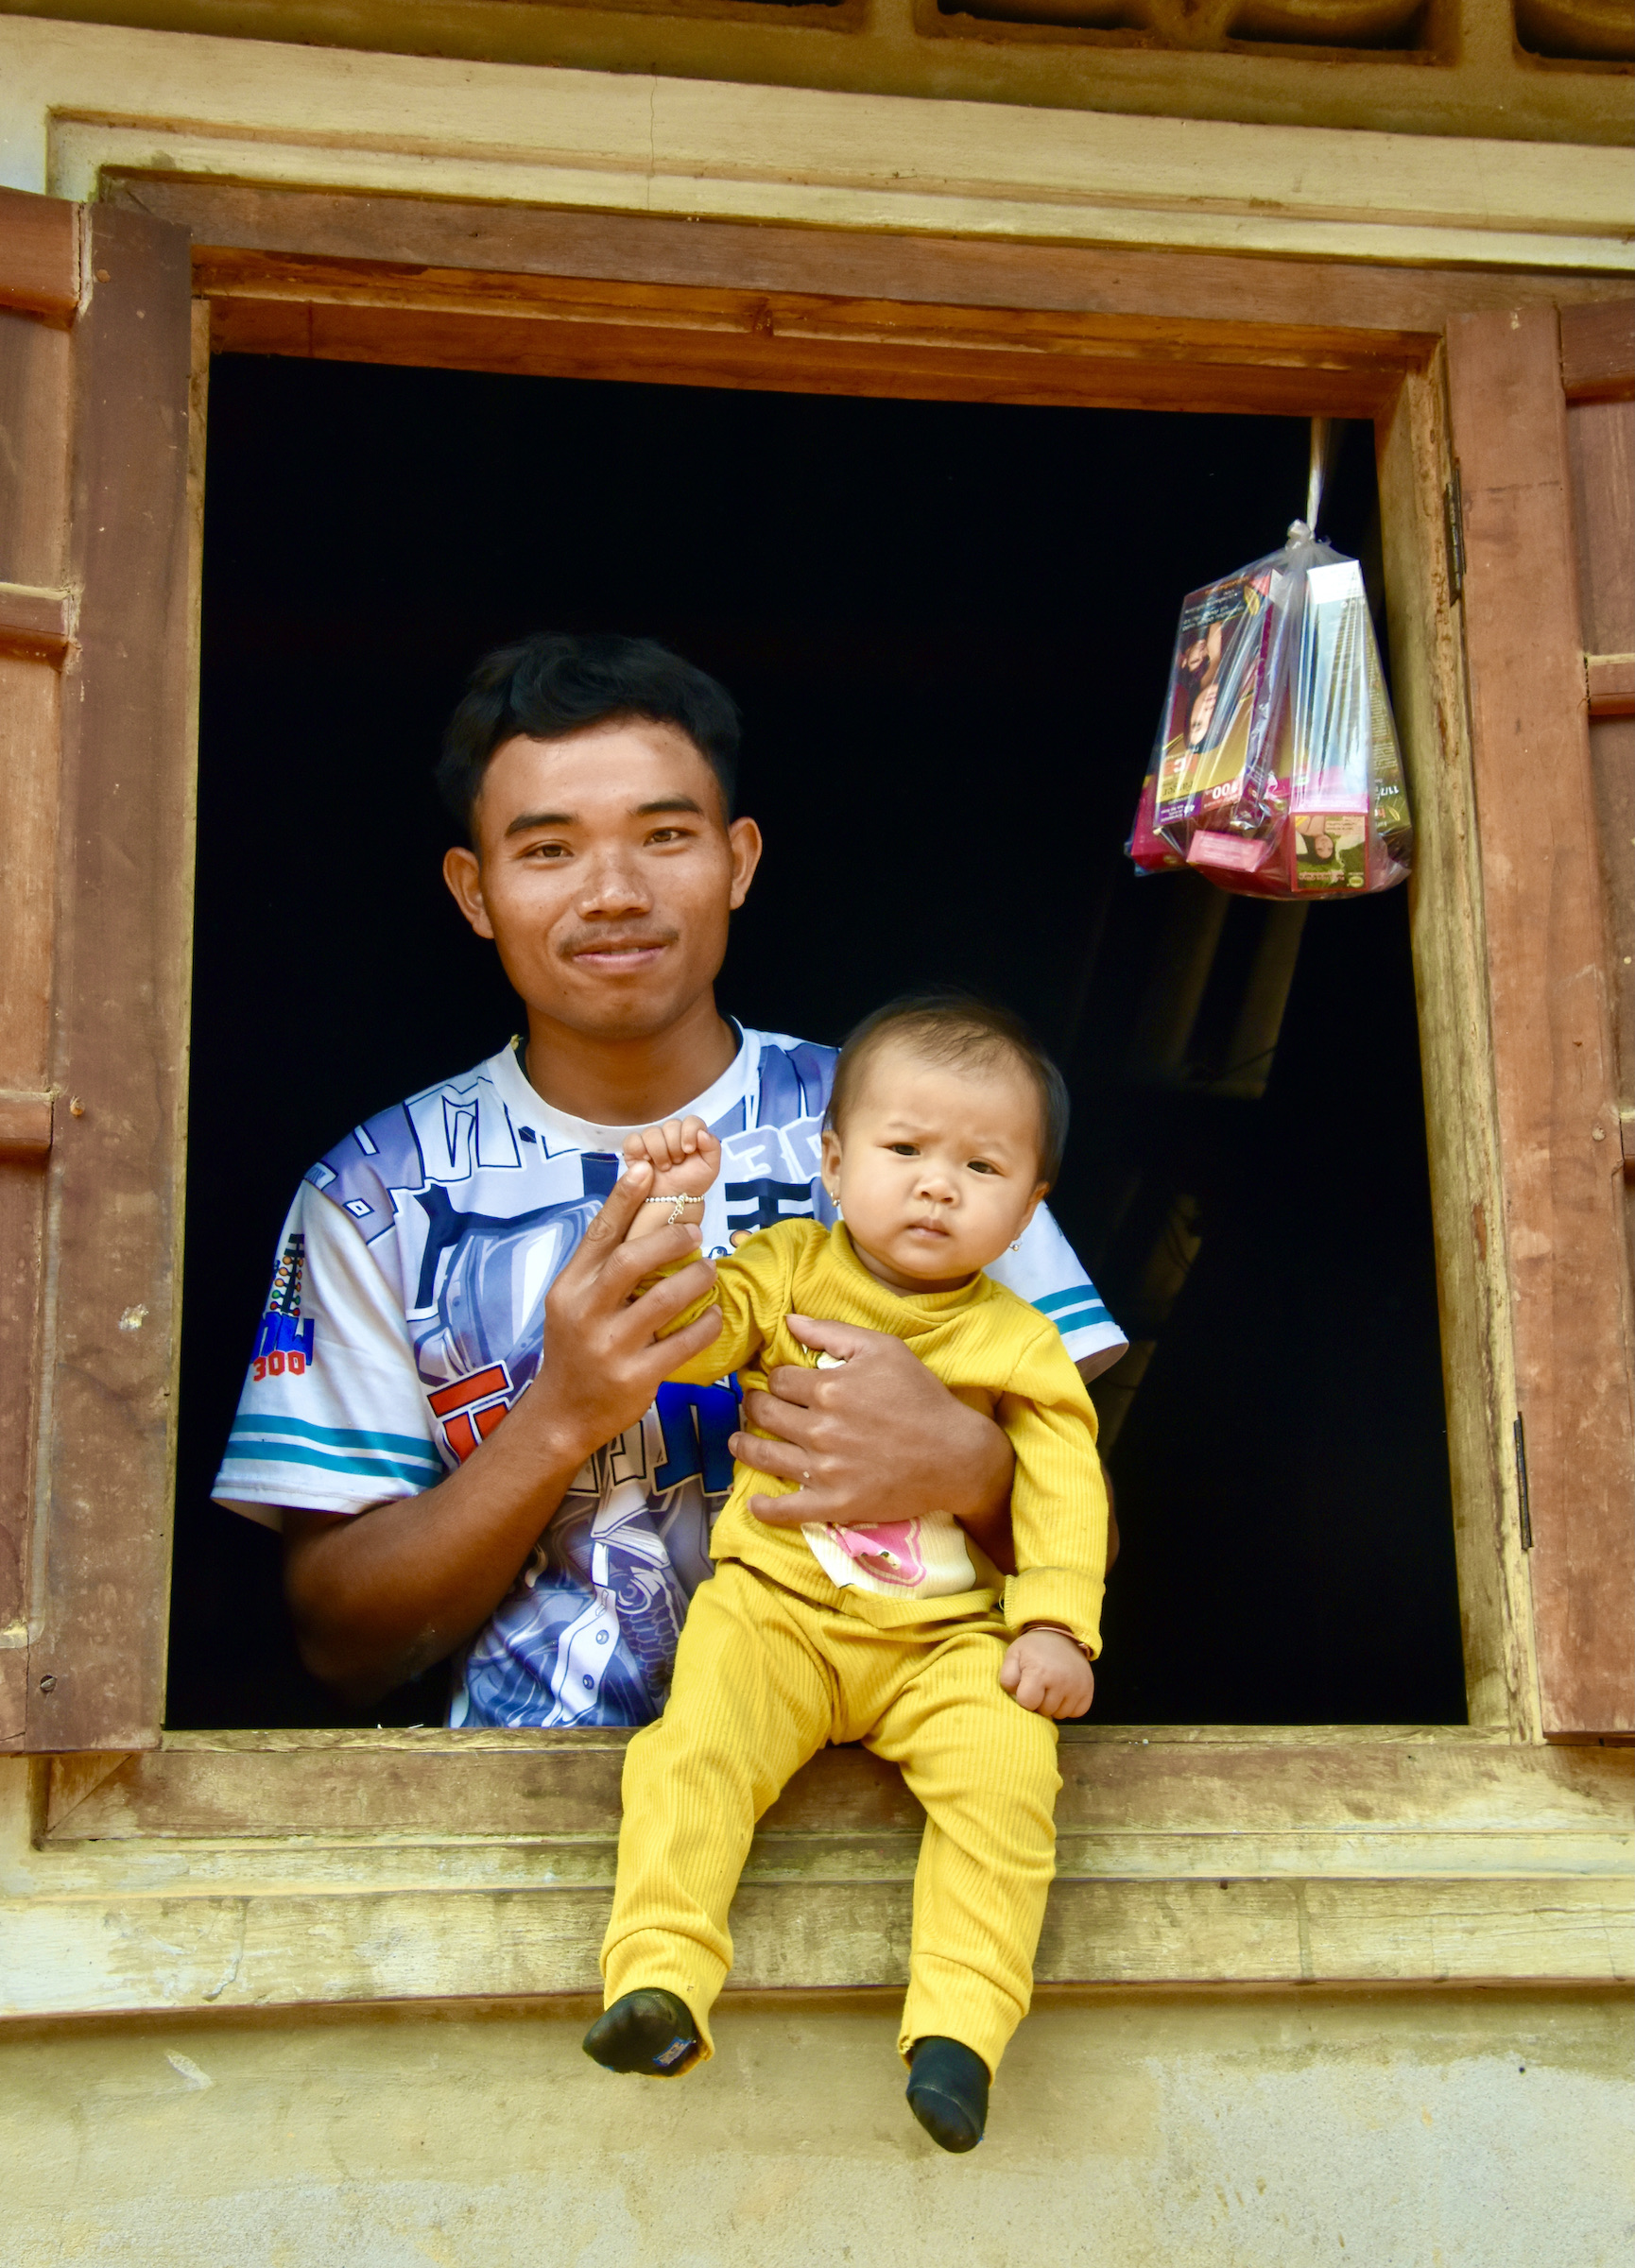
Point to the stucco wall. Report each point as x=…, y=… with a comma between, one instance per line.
x=1237, y=2130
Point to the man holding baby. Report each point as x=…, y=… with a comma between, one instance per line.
x=470, y=1244
x=484, y=1410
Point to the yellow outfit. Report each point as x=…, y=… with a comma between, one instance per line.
x=776, y=1659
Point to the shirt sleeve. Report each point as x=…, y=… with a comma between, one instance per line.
x=751, y=1291
x=1059, y=1496
x=332, y=1417
x=1045, y=1272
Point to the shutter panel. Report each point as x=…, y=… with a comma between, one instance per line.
x=95, y=818
x=1551, y=972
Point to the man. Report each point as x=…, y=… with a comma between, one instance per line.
x=467, y=1244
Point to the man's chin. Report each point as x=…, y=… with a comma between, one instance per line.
x=615, y=1009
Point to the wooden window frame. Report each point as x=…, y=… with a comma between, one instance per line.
x=1371, y=1852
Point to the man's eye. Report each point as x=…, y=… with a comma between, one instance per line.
x=668, y=834
x=551, y=851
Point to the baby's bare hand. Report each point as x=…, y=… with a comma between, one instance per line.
x=682, y=1158
x=684, y=1155
x=1046, y=1672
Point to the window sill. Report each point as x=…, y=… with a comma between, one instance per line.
x=257, y=1869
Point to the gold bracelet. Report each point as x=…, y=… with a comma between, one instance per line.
x=1068, y=1634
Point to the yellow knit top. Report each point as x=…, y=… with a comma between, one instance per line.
x=988, y=1347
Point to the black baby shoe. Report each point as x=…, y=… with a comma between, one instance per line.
x=648, y=2031
x=948, y=2091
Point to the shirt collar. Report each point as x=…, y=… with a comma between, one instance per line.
x=561, y=1131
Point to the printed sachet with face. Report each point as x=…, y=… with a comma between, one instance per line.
x=1276, y=770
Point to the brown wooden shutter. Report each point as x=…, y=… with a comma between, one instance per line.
x=1548, y=540
x=95, y=834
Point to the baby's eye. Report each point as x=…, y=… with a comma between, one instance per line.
x=980, y=1165
x=903, y=1149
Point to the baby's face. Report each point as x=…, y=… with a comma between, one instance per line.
x=936, y=1170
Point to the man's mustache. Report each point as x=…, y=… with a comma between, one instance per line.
x=623, y=941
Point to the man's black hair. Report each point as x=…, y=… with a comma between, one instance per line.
x=949, y=1026
x=559, y=682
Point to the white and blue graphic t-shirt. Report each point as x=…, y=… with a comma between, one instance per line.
x=407, y=1316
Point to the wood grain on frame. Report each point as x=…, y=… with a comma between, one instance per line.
x=1601, y=444
x=119, y=1011
x=38, y=274
x=429, y=235
x=1455, y=1048
x=1551, y=1030
x=350, y=277
x=196, y=1788
x=673, y=335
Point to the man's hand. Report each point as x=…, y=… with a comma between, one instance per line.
x=877, y=1439
x=605, y=1358
x=1046, y=1673
x=379, y=1597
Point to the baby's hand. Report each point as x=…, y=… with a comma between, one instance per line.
x=685, y=1158
x=1047, y=1674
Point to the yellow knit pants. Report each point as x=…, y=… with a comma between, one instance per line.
x=762, y=1680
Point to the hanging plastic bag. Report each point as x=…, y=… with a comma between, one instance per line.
x=1276, y=769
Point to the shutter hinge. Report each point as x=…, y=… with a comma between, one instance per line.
x=1520, y=1436
x=1454, y=524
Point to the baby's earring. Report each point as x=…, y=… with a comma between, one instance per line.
x=1017, y=1246
x=834, y=1197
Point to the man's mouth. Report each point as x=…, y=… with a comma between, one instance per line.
x=617, y=956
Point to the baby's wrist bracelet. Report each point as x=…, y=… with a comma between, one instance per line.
x=677, y=1202
x=1065, y=1632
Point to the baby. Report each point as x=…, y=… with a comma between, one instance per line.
x=944, y=1133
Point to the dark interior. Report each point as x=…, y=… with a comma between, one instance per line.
x=948, y=625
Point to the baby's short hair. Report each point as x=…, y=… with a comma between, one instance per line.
x=957, y=1028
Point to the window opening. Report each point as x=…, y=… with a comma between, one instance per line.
x=948, y=625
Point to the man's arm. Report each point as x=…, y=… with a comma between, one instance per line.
x=378, y=1596
x=882, y=1431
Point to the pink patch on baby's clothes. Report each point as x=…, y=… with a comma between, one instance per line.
x=890, y=1552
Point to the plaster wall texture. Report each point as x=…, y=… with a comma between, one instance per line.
x=1414, y=2129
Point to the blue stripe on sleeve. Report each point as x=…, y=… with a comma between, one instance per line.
x=414, y=1445
x=277, y=1452
x=1081, y=1305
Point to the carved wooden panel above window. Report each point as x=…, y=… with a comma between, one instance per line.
x=1578, y=30
x=1406, y=26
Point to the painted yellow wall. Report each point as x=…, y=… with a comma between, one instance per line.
x=1419, y=2130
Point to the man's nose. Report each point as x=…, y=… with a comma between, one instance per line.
x=614, y=885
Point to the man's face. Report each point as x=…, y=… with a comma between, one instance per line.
x=605, y=872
